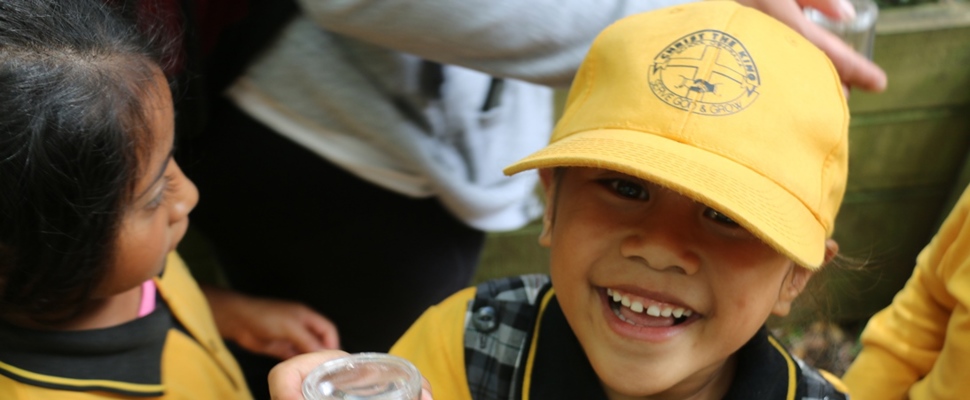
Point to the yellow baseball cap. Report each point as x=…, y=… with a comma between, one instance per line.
x=723, y=104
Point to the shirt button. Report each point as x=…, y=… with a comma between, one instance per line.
x=485, y=319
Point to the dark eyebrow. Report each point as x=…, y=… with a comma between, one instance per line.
x=161, y=173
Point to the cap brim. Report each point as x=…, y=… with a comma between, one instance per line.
x=755, y=202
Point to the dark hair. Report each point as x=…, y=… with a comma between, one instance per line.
x=73, y=75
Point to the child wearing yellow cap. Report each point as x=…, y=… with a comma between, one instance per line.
x=692, y=184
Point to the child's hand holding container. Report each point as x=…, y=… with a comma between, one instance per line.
x=336, y=375
x=364, y=376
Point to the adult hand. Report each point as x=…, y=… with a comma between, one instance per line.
x=276, y=328
x=286, y=378
x=854, y=69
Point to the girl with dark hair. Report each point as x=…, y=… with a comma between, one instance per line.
x=93, y=302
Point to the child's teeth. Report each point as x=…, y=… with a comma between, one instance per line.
x=622, y=318
x=652, y=310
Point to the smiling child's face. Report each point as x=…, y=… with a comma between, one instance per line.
x=156, y=216
x=613, y=236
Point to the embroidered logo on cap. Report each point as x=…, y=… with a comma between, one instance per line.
x=708, y=72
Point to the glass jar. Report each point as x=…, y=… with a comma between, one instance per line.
x=364, y=376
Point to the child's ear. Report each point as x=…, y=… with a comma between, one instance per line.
x=793, y=286
x=548, y=183
x=831, y=250
x=797, y=279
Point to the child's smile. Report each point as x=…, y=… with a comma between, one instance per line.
x=645, y=311
x=661, y=290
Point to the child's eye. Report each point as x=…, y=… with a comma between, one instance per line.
x=157, y=201
x=628, y=189
x=720, y=218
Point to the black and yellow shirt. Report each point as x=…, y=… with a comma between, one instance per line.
x=173, y=353
x=508, y=339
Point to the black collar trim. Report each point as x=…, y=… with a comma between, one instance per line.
x=124, y=359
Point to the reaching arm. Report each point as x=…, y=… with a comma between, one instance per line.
x=541, y=41
x=276, y=328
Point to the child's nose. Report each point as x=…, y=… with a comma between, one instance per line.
x=186, y=198
x=663, y=243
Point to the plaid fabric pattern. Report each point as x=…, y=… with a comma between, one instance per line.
x=498, y=327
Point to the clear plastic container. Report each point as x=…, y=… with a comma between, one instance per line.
x=364, y=376
x=860, y=32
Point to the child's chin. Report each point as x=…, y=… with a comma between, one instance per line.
x=177, y=237
x=634, y=374
x=636, y=389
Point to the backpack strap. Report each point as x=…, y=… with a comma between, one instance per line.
x=498, y=327
x=815, y=386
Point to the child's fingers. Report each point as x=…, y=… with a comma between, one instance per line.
x=787, y=11
x=251, y=343
x=325, y=330
x=310, y=331
x=286, y=378
x=853, y=68
x=304, y=340
x=425, y=389
x=281, y=349
x=835, y=9
x=277, y=348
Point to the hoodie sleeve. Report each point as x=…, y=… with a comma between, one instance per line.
x=540, y=41
x=919, y=346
